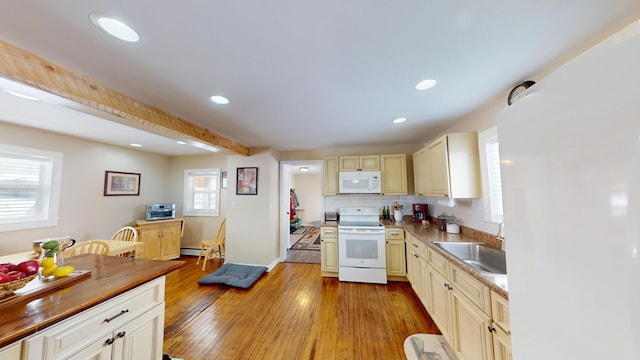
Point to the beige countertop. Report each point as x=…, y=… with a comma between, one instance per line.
x=431, y=234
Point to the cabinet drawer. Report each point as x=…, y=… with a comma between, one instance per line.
x=419, y=247
x=438, y=262
x=71, y=335
x=500, y=311
x=394, y=234
x=473, y=289
x=329, y=233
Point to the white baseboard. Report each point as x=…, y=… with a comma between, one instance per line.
x=189, y=251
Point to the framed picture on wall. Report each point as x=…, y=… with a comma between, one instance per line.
x=247, y=181
x=118, y=183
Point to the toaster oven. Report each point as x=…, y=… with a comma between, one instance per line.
x=160, y=212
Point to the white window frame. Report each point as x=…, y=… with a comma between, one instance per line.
x=189, y=175
x=491, y=179
x=48, y=188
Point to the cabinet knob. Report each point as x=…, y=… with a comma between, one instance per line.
x=492, y=329
x=110, y=341
x=121, y=334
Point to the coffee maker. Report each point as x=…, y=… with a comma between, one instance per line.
x=419, y=212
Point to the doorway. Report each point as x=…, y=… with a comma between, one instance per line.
x=302, y=206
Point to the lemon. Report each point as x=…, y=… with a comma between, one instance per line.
x=63, y=271
x=47, y=262
x=48, y=271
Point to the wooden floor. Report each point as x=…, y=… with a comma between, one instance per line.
x=303, y=256
x=289, y=313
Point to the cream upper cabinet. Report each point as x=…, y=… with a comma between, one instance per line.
x=394, y=174
x=453, y=166
x=330, y=175
x=420, y=178
x=329, y=251
x=360, y=163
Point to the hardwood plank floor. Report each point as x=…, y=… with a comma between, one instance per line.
x=303, y=256
x=290, y=313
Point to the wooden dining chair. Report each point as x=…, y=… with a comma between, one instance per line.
x=87, y=247
x=127, y=233
x=214, y=248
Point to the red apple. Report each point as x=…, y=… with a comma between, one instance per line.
x=28, y=267
x=9, y=266
x=16, y=275
x=4, y=278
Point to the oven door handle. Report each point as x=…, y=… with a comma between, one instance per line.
x=359, y=232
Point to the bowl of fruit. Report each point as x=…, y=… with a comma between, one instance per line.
x=15, y=276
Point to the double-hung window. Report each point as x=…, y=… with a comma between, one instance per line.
x=29, y=187
x=201, y=192
x=492, y=183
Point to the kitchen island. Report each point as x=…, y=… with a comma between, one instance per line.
x=130, y=287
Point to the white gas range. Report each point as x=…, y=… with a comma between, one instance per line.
x=361, y=246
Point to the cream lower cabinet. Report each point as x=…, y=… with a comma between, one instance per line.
x=329, y=251
x=396, y=254
x=11, y=352
x=460, y=306
x=416, y=251
x=127, y=327
x=501, y=328
x=161, y=238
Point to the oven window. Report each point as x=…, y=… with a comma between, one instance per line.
x=362, y=249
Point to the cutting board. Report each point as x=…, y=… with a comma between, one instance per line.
x=37, y=287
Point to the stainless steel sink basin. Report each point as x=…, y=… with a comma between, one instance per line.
x=483, y=258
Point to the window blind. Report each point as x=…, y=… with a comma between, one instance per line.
x=201, y=192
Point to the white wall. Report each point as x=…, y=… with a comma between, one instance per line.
x=309, y=191
x=197, y=228
x=253, y=220
x=84, y=212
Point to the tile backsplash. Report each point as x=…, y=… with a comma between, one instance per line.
x=470, y=212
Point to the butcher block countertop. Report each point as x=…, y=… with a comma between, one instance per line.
x=110, y=276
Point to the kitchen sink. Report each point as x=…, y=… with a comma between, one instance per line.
x=481, y=257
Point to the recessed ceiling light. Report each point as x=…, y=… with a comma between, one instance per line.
x=399, y=120
x=218, y=99
x=135, y=145
x=20, y=95
x=304, y=169
x=181, y=142
x=426, y=84
x=115, y=28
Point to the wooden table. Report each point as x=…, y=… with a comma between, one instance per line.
x=117, y=247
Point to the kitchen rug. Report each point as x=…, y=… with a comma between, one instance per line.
x=428, y=347
x=309, y=241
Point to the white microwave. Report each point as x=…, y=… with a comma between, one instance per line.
x=360, y=182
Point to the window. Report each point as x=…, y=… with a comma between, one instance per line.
x=29, y=187
x=201, y=192
x=492, y=183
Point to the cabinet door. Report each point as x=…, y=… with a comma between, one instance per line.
x=330, y=175
x=370, y=163
x=394, y=174
x=349, y=163
x=472, y=337
x=438, y=169
x=329, y=255
x=11, y=352
x=420, y=177
x=141, y=338
x=438, y=292
x=396, y=258
x=151, y=236
x=97, y=351
x=170, y=242
x=501, y=344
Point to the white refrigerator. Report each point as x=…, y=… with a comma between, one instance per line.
x=570, y=162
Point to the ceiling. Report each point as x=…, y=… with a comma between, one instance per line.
x=306, y=75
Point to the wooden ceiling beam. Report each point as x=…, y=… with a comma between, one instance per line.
x=28, y=68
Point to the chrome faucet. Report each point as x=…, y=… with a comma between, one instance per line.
x=500, y=235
